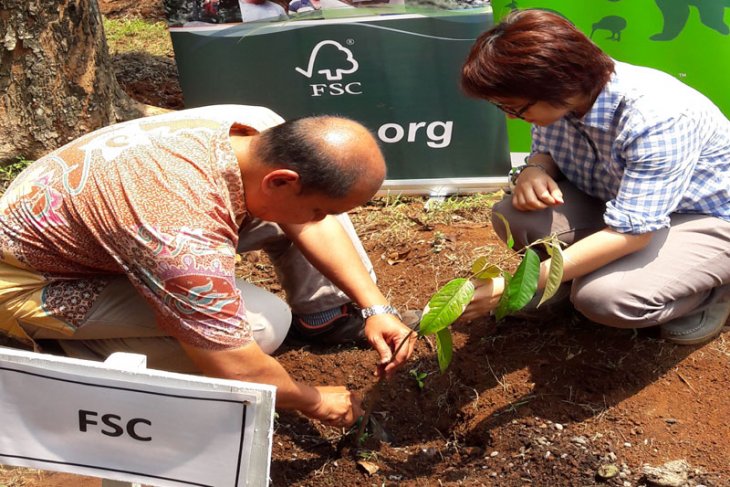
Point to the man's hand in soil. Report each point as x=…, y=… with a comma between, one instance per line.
x=386, y=333
x=339, y=261
x=336, y=406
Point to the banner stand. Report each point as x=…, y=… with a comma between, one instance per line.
x=443, y=186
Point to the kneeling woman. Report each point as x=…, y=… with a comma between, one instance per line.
x=628, y=165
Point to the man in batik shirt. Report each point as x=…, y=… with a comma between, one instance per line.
x=126, y=240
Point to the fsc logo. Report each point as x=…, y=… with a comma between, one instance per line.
x=347, y=64
x=332, y=61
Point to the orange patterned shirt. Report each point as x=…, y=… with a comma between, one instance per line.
x=159, y=199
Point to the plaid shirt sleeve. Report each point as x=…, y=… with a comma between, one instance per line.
x=660, y=160
x=539, y=144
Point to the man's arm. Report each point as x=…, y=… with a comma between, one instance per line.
x=328, y=247
x=331, y=405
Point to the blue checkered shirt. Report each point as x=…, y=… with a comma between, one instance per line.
x=650, y=146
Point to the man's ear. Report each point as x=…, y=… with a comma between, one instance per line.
x=281, y=179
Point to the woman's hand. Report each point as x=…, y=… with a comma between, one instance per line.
x=535, y=190
x=485, y=299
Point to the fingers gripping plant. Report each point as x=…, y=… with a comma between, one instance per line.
x=451, y=300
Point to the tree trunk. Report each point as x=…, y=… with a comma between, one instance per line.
x=56, y=77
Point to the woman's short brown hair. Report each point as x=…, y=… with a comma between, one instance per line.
x=535, y=55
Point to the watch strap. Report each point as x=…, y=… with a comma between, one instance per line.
x=516, y=171
x=379, y=309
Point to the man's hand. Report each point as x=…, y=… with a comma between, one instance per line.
x=485, y=299
x=385, y=333
x=336, y=407
x=535, y=190
x=341, y=264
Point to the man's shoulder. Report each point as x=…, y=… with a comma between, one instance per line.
x=257, y=117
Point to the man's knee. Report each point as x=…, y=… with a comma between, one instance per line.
x=268, y=315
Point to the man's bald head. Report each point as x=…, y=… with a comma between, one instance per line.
x=332, y=155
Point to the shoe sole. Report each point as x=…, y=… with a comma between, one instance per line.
x=694, y=341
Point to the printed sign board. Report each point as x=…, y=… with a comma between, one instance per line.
x=146, y=426
x=688, y=39
x=398, y=74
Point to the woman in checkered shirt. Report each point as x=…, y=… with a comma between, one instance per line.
x=629, y=166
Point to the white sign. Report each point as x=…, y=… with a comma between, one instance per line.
x=146, y=426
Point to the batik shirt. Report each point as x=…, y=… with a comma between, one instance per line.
x=159, y=199
x=650, y=146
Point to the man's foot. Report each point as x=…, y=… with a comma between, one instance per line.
x=347, y=327
x=698, y=327
x=9, y=342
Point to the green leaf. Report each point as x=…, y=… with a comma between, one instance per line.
x=446, y=305
x=521, y=287
x=444, y=348
x=482, y=269
x=510, y=240
x=555, y=274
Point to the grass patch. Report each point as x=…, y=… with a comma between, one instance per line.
x=473, y=207
x=9, y=171
x=135, y=35
x=397, y=219
x=392, y=218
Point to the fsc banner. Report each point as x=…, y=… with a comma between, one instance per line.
x=398, y=74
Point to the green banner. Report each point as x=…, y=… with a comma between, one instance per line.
x=685, y=38
x=397, y=74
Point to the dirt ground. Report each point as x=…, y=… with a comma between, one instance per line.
x=555, y=401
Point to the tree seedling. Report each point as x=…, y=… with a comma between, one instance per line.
x=449, y=302
x=420, y=377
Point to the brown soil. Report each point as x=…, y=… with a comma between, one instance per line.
x=546, y=402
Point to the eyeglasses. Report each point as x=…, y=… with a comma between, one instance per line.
x=515, y=112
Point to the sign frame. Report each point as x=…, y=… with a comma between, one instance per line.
x=252, y=403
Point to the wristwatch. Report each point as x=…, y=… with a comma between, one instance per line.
x=379, y=309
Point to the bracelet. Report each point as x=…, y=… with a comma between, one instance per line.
x=515, y=172
x=378, y=309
